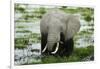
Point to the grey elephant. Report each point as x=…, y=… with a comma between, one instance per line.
x=57, y=31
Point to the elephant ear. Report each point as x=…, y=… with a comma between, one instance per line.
x=73, y=26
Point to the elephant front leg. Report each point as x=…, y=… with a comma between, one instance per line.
x=61, y=49
x=43, y=43
x=68, y=46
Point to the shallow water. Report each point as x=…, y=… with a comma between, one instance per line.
x=28, y=55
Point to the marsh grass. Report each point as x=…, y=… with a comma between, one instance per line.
x=24, y=41
x=77, y=56
x=24, y=31
x=21, y=43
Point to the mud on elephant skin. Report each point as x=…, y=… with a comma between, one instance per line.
x=57, y=31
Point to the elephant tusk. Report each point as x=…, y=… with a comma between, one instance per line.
x=57, y=47
x=44, y=49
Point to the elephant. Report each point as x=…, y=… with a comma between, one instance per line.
x=57, y=30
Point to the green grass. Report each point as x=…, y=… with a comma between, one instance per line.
x=77, y=56
x=20, y=46
x=35, y=38
x=86, y=32
x=24, y=31
x=23, y=41
x=21, y=26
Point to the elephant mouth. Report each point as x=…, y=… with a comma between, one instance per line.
x=56, y=48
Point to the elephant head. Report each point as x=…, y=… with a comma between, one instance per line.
x=53, y=38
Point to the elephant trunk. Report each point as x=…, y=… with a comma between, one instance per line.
x=50, y=46
x=53, y=39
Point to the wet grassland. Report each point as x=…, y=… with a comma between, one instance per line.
x=27, y=35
